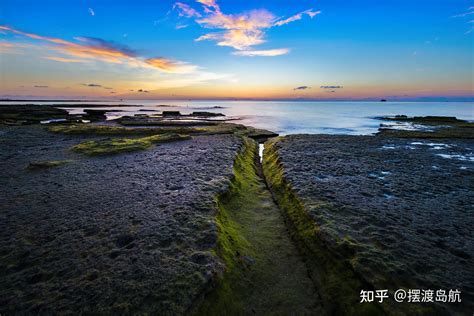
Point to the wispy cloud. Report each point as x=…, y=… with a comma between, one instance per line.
x=99, y=49
x=181, y=26
x=331, y=87
x=209, y=4
x=92, y=85
x=185, y=10
x=469, y=11
x=171, y=66
x=89, y=48
x=311, y=13
x=65, y=60
x=240, y=31
x=471, y=22
x=42, y=87
x=13, y=48
x=262, y=53
x=91, y=12
x=302, y=88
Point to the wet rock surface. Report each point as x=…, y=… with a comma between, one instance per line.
x=131, y=233
x=403, y=208
x=29, y=114
x=402, y=126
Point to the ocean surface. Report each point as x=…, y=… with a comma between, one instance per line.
x=293, y=117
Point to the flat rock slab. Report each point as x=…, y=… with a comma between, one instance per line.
x=406, y=205
x=115, y=234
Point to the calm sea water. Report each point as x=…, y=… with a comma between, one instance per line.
x=356, y=118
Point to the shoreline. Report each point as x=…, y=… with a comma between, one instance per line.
x=151, y=223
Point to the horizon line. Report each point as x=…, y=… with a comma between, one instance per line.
x=400, y=99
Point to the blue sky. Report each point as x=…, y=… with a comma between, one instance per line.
x=237, y=49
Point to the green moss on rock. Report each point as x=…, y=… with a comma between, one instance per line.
x=108, y=130
x=231, y=245
x=339, y=285
x=264, y=273
x=439, y=127
x=38, y=165
x=121, y=145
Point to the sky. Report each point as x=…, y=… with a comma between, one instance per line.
x=218, y=49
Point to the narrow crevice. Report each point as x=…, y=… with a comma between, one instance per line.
x=264, y=270
x=337, y=283
x=290, y=227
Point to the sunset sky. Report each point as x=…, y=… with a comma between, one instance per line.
x=211, y=49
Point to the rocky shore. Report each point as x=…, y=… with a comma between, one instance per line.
x=131, y=233
x=396, y=212
x=174, y=214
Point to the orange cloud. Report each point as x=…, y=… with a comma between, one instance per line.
x=238, y=39
x=209, y=4
x=12, y=48
x=242, y=31
x=65, y=60
x=99, y=49
x=33, y=36
x=256, y=19
x=170, y=66
x=90, y=49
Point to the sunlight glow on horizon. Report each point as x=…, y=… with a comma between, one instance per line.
x=207, y=49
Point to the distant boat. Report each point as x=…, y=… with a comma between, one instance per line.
x=383, y=100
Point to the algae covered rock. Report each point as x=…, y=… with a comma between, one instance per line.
x=29, y=114
x=122, y=145
x=387, y=213
x=37, y=165
x=426, y=127
x=110, y=235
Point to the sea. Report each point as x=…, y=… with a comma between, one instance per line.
x=290, y=117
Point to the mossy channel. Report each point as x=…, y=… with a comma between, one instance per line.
x=264, y=273
x=337, y=283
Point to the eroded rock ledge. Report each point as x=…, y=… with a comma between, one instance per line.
x=374, y=212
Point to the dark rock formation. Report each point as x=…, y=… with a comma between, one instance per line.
x=95, y=115
x=29, y=114
x=128, y=234
x=205, y=114
x=397, y=211
x=171, y=113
